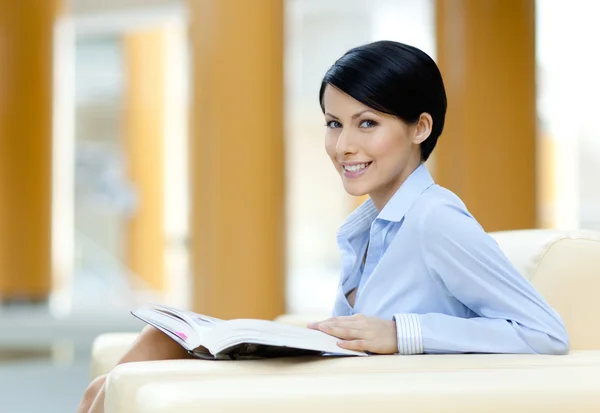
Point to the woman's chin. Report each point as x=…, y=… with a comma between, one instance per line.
x=355, y=190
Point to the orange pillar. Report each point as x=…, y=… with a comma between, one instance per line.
x=546, y=180
x=237, y=158
x=144, y=146
x=26, y=57
x=487, y=153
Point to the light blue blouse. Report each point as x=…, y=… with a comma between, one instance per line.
x=432, y=268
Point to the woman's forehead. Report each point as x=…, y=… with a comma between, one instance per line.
x=336, y=99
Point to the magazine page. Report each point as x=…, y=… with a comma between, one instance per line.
x=190, y=317
x=230, y=335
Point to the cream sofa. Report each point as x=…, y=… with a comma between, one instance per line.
x=564, y=266
x=575, y=389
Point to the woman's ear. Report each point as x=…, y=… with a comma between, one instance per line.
x=423, y=128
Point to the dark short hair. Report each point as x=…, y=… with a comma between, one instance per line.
x=392, y=78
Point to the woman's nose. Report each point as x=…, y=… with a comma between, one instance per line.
x=345, y=144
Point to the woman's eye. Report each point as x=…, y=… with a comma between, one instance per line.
x=368, y=123
x=333, y=124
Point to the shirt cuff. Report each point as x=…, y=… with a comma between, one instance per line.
x=410, y=338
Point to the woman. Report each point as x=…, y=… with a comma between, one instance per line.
x=419, y=274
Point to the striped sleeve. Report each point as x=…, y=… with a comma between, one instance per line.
x=410, y=338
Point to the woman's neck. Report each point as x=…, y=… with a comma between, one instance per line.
x=381, y=197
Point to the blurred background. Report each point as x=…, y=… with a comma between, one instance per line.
x=172, y=151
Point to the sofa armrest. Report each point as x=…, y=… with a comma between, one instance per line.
x=551, y=390
x=125, y=381
x=108, y=349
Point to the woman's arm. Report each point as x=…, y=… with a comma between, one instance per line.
x=511, y=316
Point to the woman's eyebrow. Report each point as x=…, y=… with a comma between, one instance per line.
x=356, y=115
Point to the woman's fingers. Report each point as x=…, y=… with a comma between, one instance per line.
x=357, y=345
x=343, y=331
x=315, y=324
x=337, y=321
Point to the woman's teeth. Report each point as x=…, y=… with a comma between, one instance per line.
x=356, y=168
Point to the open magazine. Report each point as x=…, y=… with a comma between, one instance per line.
x=211, y=338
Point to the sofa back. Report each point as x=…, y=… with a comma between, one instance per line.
x=565, y=267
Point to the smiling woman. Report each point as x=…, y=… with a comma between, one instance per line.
x=379, y=147
x=419, y=274
x=402, y=116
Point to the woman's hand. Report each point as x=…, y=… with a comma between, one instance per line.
x=361, y=333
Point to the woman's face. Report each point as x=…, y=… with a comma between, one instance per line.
x=373, y=152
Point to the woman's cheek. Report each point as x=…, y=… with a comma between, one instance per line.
x=379, y=146
x=330, y=145
x=386, y=149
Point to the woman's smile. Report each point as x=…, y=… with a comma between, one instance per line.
x=355, y=170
